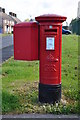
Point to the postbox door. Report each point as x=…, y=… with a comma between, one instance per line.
x=50, y=57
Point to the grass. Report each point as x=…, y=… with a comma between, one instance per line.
x=5, y=34
x=70, y=65
x=20, y=83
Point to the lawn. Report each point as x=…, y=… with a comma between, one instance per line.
x=5, y=34
x=20, y=83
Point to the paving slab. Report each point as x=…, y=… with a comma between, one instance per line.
x=40, y=117
x=6, y=41
x=6, y=53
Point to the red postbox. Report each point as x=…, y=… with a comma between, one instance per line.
x=26, y=41
x=50, y=57
x=46, y=47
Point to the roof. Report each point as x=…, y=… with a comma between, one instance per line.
x=4, y=16
x=15, y=19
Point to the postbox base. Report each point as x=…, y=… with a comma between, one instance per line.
x=49, y=93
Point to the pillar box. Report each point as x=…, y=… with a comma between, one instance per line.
x=42, y=41
x=50, y=57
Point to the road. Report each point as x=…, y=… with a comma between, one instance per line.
x=6, y=41
x=6, y=48
x=7, y=52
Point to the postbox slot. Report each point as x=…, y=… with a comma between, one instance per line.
x=51, y=30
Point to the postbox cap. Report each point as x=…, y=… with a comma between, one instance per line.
x=50, y=17
x=26, y=24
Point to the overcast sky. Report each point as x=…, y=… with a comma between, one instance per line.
x=26, y=8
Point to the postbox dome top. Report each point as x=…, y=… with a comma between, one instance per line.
x=50, y=17
x=26, y=24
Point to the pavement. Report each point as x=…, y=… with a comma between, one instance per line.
x=7, y=52
x=6, y=48
x=6, y=41
x=40, y=117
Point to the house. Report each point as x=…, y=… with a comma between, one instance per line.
x=14, y=17
x=7, y=21
x=78, y=11
x=75, y=23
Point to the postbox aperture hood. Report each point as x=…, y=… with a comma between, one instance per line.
x=50, y=17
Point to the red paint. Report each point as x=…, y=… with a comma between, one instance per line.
x=50, y=60
x=26, y=41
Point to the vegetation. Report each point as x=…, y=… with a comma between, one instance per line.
x=20, y=83
x=6, y=34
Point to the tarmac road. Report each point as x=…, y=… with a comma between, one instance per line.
x=7, y=52
x=6, y=41
x=6, y=48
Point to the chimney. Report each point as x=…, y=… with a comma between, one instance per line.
x=10, y=13
x=3, y=10
x=15, y=15
x=0, y=9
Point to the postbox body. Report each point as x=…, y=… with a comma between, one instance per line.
x=26, y=41
x=50, y=57
x=50, y=60
x=42, y=41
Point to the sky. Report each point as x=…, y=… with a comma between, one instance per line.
x=32, y=8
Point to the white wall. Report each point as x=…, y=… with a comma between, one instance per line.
x=10, y=25
x=78, y=12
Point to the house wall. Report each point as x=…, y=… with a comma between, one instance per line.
x=8, y=21
x=78, y=12
x=8, y=26
x=75, y=25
